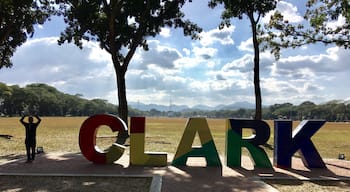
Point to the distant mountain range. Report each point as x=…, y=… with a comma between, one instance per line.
x=179, y=108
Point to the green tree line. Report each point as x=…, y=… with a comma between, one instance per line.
x=330, y=111
x=46, y=100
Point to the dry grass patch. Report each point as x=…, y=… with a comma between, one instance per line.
x=310, y=186
x=54, y=134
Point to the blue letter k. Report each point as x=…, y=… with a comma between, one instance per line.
x=287, y=143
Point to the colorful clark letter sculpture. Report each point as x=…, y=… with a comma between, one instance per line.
x=137, y=146
x=235, y=142
x=207, y=150
x=288, y=141
x=87, y=139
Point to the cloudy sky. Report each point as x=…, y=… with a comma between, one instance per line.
x=214, y=70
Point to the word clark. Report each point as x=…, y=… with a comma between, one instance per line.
x=286, y=143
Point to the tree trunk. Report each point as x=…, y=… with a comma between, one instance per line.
x=120, y=71
x=258, y=102
x=122, y=102
x=122, y=105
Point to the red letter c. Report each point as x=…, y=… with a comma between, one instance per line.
x=87, y=135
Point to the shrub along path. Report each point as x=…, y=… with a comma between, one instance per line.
x=194, y=177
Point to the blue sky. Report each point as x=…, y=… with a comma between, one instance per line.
x=214, y=70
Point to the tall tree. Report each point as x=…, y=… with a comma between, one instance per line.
x=254, y=10
x=17, y=20
x=121, y=26
x=5, y=94
x=326, y=21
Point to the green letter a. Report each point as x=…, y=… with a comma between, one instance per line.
x=207, y=150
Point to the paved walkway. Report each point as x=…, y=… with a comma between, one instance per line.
x=174, y=179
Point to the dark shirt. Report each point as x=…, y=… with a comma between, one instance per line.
x=30, y=131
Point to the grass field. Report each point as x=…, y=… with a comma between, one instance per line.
x=162, y=134
x=60, y=134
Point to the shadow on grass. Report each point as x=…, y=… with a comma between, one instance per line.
x=292, y=185
x=340, y=183
x=292, y=180
x=11, y=157
x=76, y=183
x=338, y=166
x=334, y=170
x=288, y=182
x=6, y=136
x=299, y=177
x=198, y=179
x=182, y=178
x=75, y=163
x=70, y=172
x=322, y=173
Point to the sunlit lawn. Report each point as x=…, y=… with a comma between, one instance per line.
x=60, y=134
x=162, y=134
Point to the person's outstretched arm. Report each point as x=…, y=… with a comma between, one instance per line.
x=22, y=120
x=38, y=118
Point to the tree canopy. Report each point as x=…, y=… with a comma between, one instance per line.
x=326, y=21
x=17, y=20
x=48, y=101
x=254, y=10
x=121, y=26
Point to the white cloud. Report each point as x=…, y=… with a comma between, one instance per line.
x=97, y=54
x=211, y=71
x=288, y=10
x=165, y=32
x=161, y=55
x=242, y=64
x=67, y=67
x=199, y=56
x=275, y=90
x=204, y=52
x=199, y=86
x=39, y=26
x=246, y=45
x=186, y=62
x=333, y=60
x=149, y=97
x=223, y=36
x=317, y=77
x=339, y=22
x=186, y=51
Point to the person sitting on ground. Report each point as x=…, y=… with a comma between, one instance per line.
x=30, y=140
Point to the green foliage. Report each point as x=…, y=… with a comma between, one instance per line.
x=239, y=8
x=121, y=26
x=17, y=20
x=127, y=22
x=330, y=111
x=254, y=10
x=48, y=101
x=5, y=91
x=319, y=14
